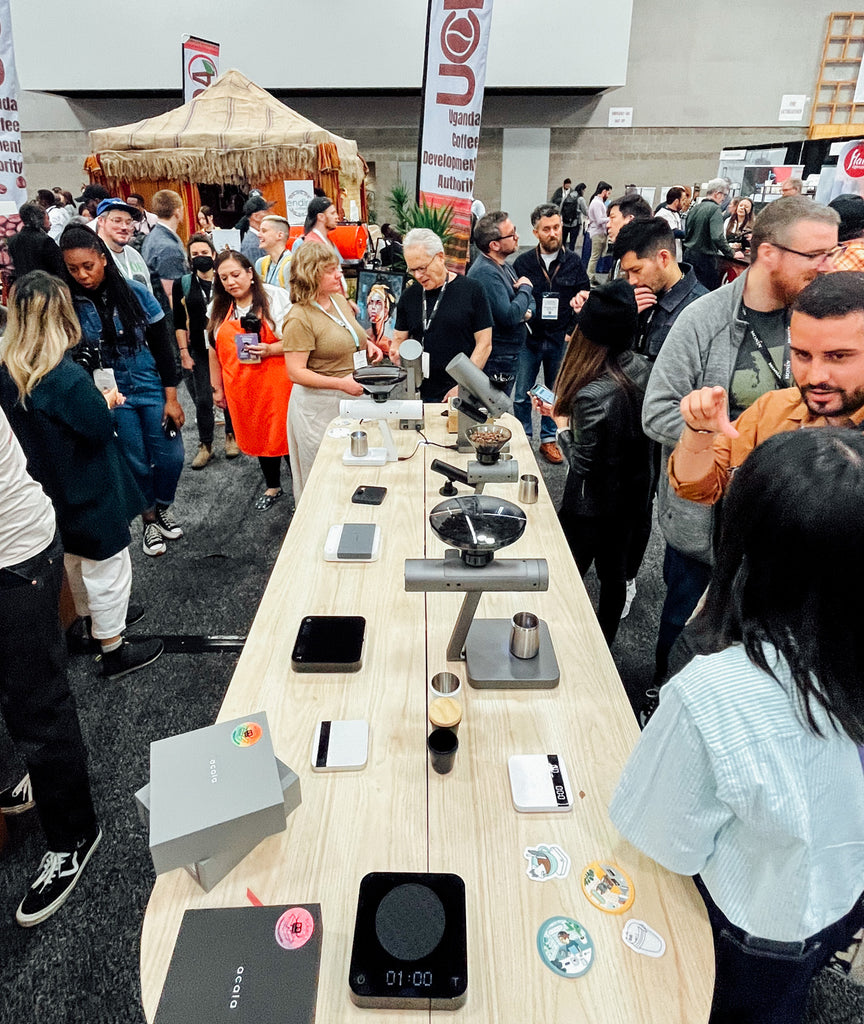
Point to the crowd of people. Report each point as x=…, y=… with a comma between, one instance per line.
x=665, y=385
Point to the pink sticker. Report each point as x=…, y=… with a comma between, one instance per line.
x=294, y=928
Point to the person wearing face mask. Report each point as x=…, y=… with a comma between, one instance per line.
x=190, y=299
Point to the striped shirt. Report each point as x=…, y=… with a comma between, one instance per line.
x=727, y=781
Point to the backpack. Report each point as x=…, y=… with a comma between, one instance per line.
x=570, y=208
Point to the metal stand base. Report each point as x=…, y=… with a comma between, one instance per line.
x=491, y=666
x=374, y=457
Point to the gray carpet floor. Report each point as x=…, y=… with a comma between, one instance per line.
x=82, y=964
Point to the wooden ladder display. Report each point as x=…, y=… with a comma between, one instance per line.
x=834, y=112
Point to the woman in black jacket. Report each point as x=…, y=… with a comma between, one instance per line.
x=605, y=511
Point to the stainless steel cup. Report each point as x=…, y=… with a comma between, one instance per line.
x=359, y=444
x=525, y=636
x=444, y=684
x=528, y=488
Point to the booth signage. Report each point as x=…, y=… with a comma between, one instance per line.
x=457, y=40
x=200, y=66
x=13, y=184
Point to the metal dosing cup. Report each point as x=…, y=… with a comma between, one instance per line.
x=525, y=636
x=444, y=684
x=359, y=443
x=528, y=489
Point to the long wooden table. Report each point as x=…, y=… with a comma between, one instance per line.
x=397, y=815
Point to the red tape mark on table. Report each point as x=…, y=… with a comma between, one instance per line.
x=253, y=899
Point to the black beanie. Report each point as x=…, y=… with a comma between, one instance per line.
x=610, y=317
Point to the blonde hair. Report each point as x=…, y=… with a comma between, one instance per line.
x=308, y=264
x=165, y=202
x=41, y=328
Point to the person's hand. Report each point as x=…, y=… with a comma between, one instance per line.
x=219, y=399
x=452, y=393
x=113, y=398
x=373, y=353
x=578, y=300
x=645, y=298
x=175, y=410
x=544, y=408
x=523, y=280
x=186, y=360
x=262, y=350
x=351, y=387
x=707, y=409
x=394, y=354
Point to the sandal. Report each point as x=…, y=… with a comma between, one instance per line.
x=268, y=500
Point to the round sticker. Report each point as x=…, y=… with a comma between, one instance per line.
x=247, y=734
x=294, y=928
x=565, y=947
x=607, y=888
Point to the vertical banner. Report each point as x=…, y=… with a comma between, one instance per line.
x=200, y=66
x=457, y=41
x=13, y=184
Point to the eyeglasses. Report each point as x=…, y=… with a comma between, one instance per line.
x=822, y=254
x=414, y=271
x=502, y=237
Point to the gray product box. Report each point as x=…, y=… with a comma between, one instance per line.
x=213, y=789
x=211, y=870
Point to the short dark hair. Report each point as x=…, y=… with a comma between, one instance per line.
x=645, y=237
x=488, y=229
x=318, y=204
x=798, y=491
x=32, y=215
x=544, y=210
x=632, y=205
x=567, y=181
x=832, y=295
x=676, y=192
x=199, y=236
x=45, y=197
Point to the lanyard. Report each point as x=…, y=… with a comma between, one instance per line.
x=427, y=319
x=543, y=267
x=341, y=321
x=781, y=379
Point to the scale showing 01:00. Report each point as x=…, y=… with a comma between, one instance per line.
x=418, y=979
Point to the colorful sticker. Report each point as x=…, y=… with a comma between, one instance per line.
x=642, y=938
x=247, y=734
x=607, y=888
x=565, y=947
x=294, y=928
x=545, y=861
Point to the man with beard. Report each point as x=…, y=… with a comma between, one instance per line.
x=826, y=350
x=735, y=338
x=556, y=275
x=115, y=225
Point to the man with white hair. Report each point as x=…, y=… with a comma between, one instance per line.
x=273, y=235
x=703, y=235
x=448, y=313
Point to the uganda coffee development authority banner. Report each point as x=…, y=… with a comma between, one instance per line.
x=457, y=42
x=13, y=185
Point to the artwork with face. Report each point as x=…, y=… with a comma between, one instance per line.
x=377, y=295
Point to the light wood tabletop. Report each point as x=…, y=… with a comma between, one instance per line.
x=398, y=815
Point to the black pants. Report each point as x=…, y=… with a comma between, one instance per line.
x=705, y=268
x=271, y=468
x=760, y=981
x=686, y=579
x=201, y=393
x=569, y=235
x=610, y=544
x=37, y=705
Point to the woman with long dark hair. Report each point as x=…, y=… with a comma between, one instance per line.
x=605, y=511
x=246, y=366
x=749, y=774
x=124, y=332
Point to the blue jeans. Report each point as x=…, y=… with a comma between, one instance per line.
x=547, y=354
x=686, y=579
x=156, y=461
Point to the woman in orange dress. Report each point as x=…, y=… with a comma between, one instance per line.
x=246, y=366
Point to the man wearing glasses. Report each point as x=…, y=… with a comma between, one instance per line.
x=511, y=298
x=736, y=338
x=446, y=312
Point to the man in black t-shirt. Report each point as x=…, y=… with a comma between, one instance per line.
x=446, y=312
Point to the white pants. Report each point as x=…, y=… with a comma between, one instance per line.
x=101, y=590
x=309, y=414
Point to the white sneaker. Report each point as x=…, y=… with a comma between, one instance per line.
x=152, y=543
x=631, y=593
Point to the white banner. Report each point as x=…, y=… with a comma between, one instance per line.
x=200, y=66
x=13, y=185
x=298, y=196
x=457, y=42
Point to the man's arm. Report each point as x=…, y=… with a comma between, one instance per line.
x=715, y=223
x=508, y=308
x=482, y=347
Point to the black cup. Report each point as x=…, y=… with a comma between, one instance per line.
x=442, y=744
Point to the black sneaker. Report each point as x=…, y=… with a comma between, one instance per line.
x=134, y=613
x=129, y=657
x=58, y=876
x=79, y=639
x=17, y=799
x=151, y=541
x=166, y=524
x=649, y=706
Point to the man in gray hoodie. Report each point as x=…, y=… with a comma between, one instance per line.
x=735, y=337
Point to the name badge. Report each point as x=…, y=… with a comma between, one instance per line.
x=360, y=359
x=104, y=379
x=549, y=306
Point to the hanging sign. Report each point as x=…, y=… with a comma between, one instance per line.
x=13, y=184
x=200, y=66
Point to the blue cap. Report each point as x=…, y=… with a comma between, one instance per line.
x=117, y=204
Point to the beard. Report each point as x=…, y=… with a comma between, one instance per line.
x=850, y=401
x=551, y=246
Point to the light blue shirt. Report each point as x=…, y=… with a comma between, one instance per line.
x=729, y=782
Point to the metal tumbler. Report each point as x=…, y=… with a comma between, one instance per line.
x=528, y=488
x=359, y=444
x=525, y=636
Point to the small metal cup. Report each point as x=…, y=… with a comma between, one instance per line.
x=444, y=684
x=525, y=636
x=442, y=745
x=359, y=444
x=528, y=488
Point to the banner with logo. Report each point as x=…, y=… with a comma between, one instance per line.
x=13, y=185
x=298, y=196
x=849, y=175
x=200, y=66
x=457, y=41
